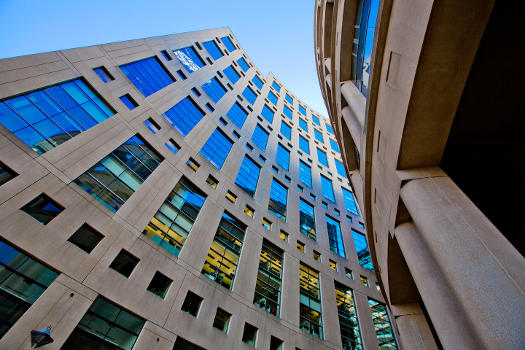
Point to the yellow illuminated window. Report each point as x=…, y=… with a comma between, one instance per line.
x=213, y=182
x=248, y=211
x=300, y=246
x=193, y=164
x=333, y=265
x=364, y=280
x=231, y=197
x=284, y=236
x=267, y=224
x=317, y=256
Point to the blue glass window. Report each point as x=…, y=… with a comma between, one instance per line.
x=48, y=117
x=316, y=120
x=214, y=89
x=267, y=113
x=23, y=282
x=289, y=99
x=287, y=112
x=361, y=247
x=118, y=175
x=321, y=156
x=237, y=114
x=184, y=115
x=103, y=74
x=304, y=145
x=128, y=101
x=328, y=189
x=228, y=43
x=302, y=110
x=306, y=219
x=305, y=173
x=340, y=168
x=213, y=49
x=242, y=63
x=257, y=81
x=329, y=129
x=335, y=237
x=217, y=148
x=334, y=146
x=303, y=124
x=350, y=203
x=272, y=97
x=248, y=176
x=260, y=137
x=249, y=95
x=286, y=130
x=232, y=74
x=276, y=86
x=278, y=200
x=189, y=59
x=282, y=157
x=363, y=38
x=172, y=223
x=319, y=136
x=148, y=75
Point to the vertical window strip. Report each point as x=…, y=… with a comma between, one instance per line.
x=306, y=219
x=172, y=223
x=348, y=321
x=278, y=200
x=248, y=176
x=305, y=173
x=282, y=157
x=335, y=236
x=214, y=89
x=260, y=137
x=350, y=203
x=310, y=318
x=184, y=115
x=217, y=148
x=189, y=59
x=361, y=247
x=237, y=114
x=327, y=188
x=267, y=294
x=382, y=325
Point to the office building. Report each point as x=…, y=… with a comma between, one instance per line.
x=162, y=193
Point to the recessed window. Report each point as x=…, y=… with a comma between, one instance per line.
x=6, y=174
x=86, y=238
x=337, y=212
x=216, y=149
x=231, y=197
x=103, y=74
x=222, y=320
x=148, y=75
x=317, y=255
x=300, y=188
x=166, y=55
x=43, y=209
x=189, y=58
x=348, y=274
x=300, y=246
x=181, y=74
x=183, y=344
x=249, y=211
x=129, y=101
x=325, y=205
x=364, y=280
x=333, y=265
x=283, y=235
x=152, y=125
x=124, y=263
x=192, y=303
x=274, y=169
x=228, y=43
x=213, y=182
x=262, y=158
x=276, y=343
x=172, y=145
x=361, y=225
x=250, y=147
x=196, y=92
x=192, y=163
x=378, y=287
x=159, y=285
x=249, y=336
x=267, y=224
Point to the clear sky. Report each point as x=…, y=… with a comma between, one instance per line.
x=276, y=34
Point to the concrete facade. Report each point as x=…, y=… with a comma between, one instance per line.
x=88, y=275
x=450, y=262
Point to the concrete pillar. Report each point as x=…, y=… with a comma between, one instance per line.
x=414, y=332
x=455, y=245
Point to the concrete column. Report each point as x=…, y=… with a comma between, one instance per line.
x=448, y=318
x=456, y=245
x=414, y=332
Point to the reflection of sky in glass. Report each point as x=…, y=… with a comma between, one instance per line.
x=370, y=28
x=189, y=59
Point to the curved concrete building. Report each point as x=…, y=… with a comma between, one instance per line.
x=426, y=100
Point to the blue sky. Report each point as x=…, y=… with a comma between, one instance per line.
x=277, y=35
